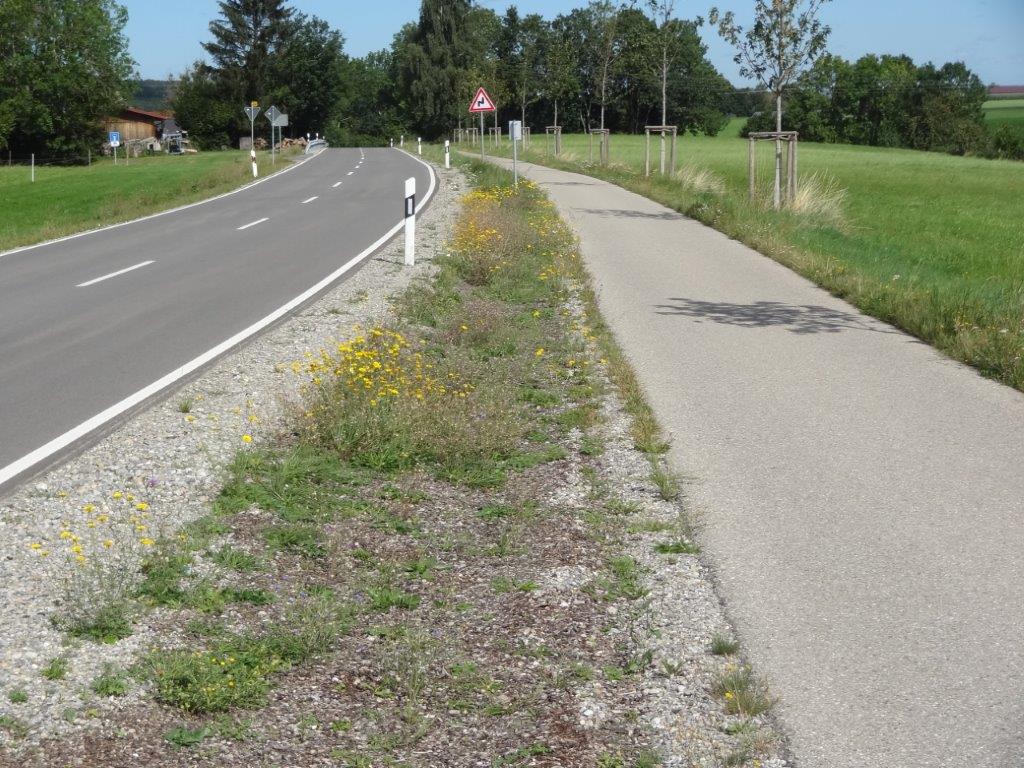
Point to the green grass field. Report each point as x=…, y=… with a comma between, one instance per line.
x=930, y=242
x=72, y=199
x=1005, y=112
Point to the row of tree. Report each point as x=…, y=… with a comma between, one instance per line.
x=601, y=65
x=890, y=101
x=598, y=66
x=64, y=66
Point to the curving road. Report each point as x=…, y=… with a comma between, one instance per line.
x=94, y=325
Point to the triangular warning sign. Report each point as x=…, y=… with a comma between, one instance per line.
x=481, y=102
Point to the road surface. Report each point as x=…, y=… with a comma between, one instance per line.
x=94, y=325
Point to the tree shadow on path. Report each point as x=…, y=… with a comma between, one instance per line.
x=802, y=318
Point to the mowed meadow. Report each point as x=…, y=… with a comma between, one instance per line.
x=1006, y=111
x=68, y=199
x=929, y=242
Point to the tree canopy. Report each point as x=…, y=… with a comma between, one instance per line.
x=63, y=68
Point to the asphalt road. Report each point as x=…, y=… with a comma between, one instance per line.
x=861, y=496
x=93, y=325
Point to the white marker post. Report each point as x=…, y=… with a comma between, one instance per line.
x=515, y=132
x=410, y=222
x=391, y=143
x=252, y=111
x=447, y=154
x=401, y=140
x=419, y=145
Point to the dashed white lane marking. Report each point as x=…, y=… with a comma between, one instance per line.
x=351, y=172
x=310, y=200
x=338, y=184
x=61, y=442
x=253, y=223
x=114, y=274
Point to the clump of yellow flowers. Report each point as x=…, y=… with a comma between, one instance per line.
x=379, y=366
x=101, y=542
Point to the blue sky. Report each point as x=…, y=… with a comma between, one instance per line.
x=987, y=34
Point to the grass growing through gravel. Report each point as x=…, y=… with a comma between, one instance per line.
x=929, y=242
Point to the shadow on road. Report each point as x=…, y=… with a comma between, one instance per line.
x=805, y=318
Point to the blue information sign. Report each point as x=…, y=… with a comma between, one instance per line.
x=115, y=138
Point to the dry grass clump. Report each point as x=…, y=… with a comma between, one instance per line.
x=698, y=180
x=820, y=197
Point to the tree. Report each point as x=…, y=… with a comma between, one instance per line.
x=560, y=66
x=63, y=68
x=787, y=36
x=605, y=28
x=245, y=38
x=521, y=47
x=306, y=78
x=434, y=66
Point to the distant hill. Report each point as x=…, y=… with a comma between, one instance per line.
x=153, y=95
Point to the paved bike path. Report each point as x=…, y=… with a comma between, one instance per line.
x=861, y=496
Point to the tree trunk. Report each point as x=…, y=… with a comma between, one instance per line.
x=777, y=197
x=556, y=113
x=664, y=103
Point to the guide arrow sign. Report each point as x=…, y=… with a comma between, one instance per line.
x=481, y=102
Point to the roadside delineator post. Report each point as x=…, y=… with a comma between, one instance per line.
x=391, y=143
x=419, y=145
x=410, y=222
x=447, y=154
x=252, y=157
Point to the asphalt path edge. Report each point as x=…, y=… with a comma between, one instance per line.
x=107, y=416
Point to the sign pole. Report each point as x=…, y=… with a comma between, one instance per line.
x=481, y=135
x=515, y=160
x=410, y=222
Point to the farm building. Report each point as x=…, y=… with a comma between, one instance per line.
x=136, y=124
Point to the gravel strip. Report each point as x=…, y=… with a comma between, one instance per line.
x=170, y=461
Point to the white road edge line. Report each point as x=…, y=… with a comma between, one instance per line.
x=310, y=200
x=253, y=223
x=159, y=213
x=337, y=185
x=42, y=453
x=114, y=274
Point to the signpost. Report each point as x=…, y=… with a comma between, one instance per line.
x=253, y=111
x=115, y=141
x=481, y=103
x=515, y=132
x=272, y=114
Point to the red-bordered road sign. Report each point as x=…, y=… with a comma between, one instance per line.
x=481, y=102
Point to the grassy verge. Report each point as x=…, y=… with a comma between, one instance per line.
x=928, y=242
x=65, y=200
